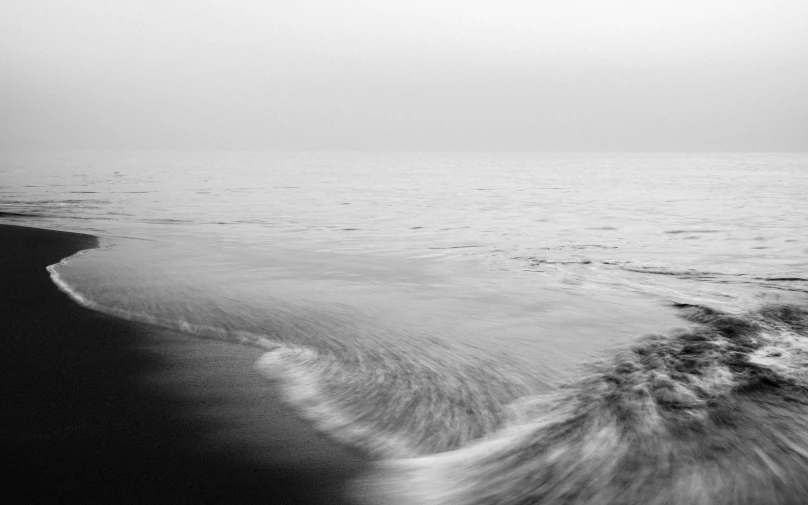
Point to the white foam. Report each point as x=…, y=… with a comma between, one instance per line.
x=204, y=331
x=298, y=372
x=437, y=479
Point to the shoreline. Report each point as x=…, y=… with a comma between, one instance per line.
x=101, y=409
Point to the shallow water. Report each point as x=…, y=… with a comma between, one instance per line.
x=412, y=304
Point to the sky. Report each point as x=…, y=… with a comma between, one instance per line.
x=533, y=75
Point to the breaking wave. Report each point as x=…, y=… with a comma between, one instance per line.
x=714, y=414
x=392, y=395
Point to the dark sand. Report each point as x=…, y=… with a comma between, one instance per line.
x=99, y=409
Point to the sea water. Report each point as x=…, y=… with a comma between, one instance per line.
x=454, y=313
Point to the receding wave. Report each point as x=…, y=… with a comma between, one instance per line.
x=389, y=397
x=394, y=406
x=714, y=414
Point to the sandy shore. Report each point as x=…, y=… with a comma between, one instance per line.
x=98, y=409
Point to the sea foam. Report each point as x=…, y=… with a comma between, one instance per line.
x=716, y=414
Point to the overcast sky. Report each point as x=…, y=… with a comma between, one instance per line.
x=558, y=75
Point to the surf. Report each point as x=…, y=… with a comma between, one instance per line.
x=712, y=414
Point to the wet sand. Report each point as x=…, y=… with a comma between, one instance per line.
x=99, y=409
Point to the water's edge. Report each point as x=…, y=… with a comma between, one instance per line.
x=713, y=413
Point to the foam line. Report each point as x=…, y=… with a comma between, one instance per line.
x=204, y=331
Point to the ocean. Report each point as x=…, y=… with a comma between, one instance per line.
x=491, y=327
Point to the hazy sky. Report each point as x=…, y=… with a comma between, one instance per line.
x=405, y=74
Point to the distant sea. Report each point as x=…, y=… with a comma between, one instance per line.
x=412, y=304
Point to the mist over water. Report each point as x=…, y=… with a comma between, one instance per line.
x=416, y=304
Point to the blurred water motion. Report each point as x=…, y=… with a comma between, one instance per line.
x=470, y=320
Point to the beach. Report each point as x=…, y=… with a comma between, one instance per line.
x=405, y=328
x=99, y=409
x=411, y=253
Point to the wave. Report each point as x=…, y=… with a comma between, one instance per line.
x=392, y=395
x=714, y=413
x=394, y=405
x=717, y=413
